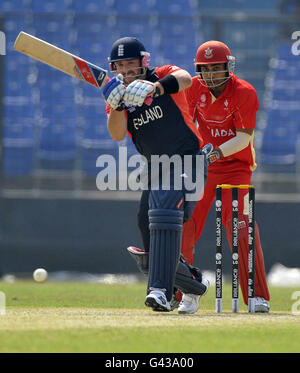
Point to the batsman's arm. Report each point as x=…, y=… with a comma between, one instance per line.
x=177, y=81
x=184, y=79
x=117, y=124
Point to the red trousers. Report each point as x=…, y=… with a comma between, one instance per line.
x=237, y=173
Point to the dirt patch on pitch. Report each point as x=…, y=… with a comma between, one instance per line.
x=70, y=318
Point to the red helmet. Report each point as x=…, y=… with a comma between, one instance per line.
x=213, y=52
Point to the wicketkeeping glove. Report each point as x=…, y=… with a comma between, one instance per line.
x=138, y=91
x=113, y=92
x=211, y=154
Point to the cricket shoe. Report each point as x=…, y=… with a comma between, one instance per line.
x=261, y=305
x=190, y=302
x=157, y=300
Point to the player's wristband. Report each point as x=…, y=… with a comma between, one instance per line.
x=170, y=84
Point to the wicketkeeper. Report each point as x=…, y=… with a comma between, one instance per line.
x=224, y=107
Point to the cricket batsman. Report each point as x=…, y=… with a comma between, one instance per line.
x=225, y=107
x=161, y=126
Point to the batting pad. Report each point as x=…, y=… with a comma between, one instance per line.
x=165, y=244
x=141, y=257
x=187, y=278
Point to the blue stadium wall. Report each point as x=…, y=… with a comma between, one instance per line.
x=92, y=235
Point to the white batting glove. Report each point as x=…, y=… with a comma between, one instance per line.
x=138, y=91
x=113, y=92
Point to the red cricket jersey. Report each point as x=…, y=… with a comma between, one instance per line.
x=218, y=120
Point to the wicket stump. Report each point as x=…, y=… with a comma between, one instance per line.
x=235, y=248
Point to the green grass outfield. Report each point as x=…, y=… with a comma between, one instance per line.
x=83, y=317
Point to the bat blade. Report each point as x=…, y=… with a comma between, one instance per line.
x=60, y=59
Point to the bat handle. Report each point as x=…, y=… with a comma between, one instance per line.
x=148, y=100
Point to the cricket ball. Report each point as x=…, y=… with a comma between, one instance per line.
x=40, y=275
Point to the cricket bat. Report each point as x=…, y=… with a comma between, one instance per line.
x=61, y=60
x=64, y=61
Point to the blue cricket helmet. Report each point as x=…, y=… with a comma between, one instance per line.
x=128, y=48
